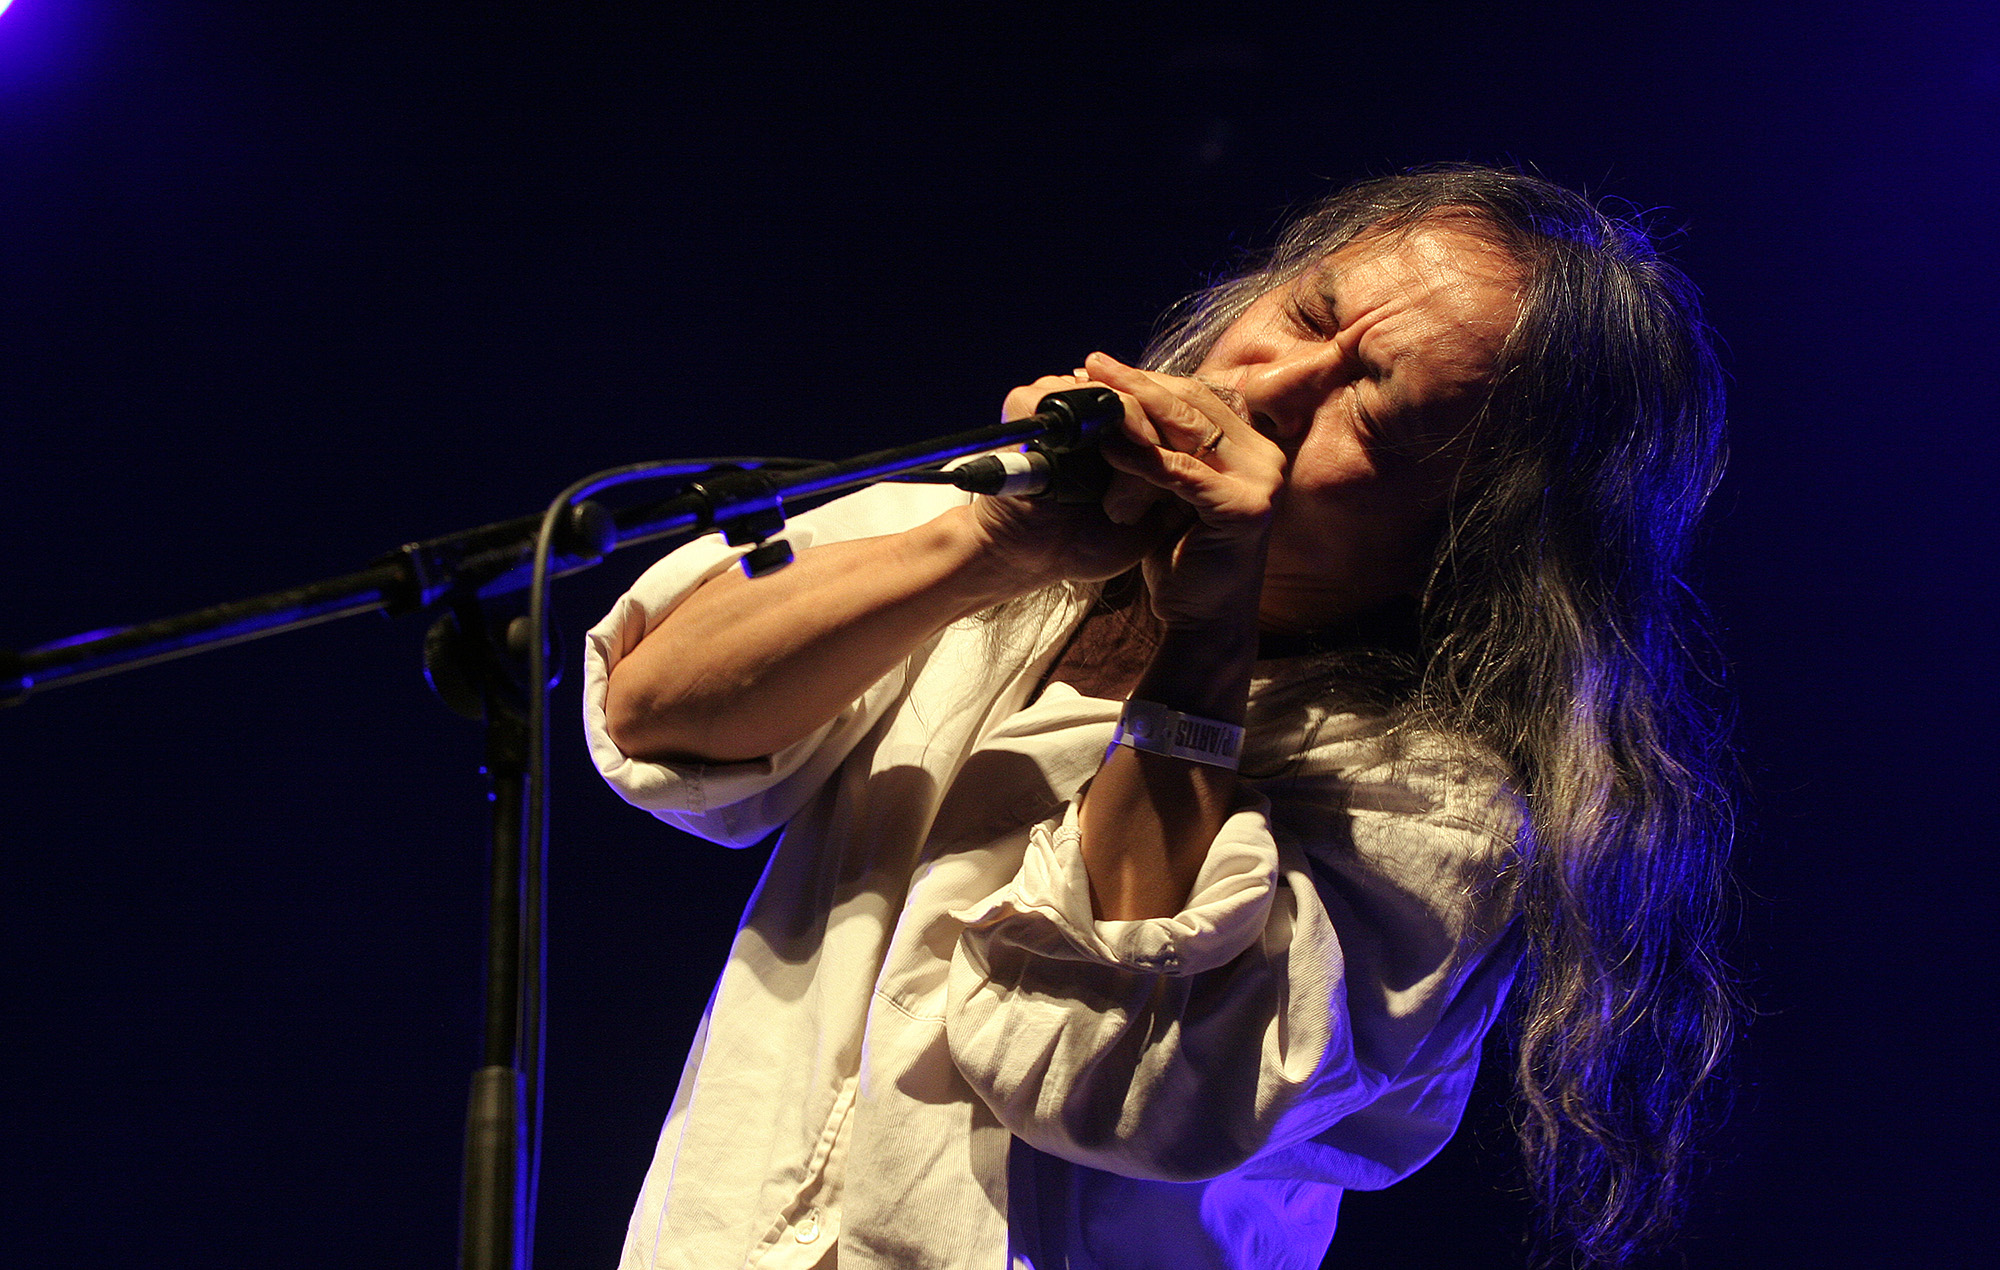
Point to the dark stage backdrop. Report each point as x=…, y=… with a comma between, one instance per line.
x=285, y=284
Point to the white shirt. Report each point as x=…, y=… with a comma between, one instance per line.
x=925, y=1050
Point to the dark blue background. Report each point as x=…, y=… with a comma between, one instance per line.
x=285, y=284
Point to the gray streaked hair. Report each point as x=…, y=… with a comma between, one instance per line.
x=1558, y=632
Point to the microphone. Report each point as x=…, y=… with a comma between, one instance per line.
x=1063, y=463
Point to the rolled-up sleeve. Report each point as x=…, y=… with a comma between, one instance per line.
x=1259, y=1020
x=1047, y=908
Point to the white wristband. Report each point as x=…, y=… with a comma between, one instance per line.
x=1158, y=729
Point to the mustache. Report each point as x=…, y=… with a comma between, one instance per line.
x=1236, y=401
x=1240, y=404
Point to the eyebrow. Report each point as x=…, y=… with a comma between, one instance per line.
x=1326, y=281
x=1326, y=278
x=1327, y=288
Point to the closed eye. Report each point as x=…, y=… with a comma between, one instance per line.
x=1368, y=422
x=1315, y=319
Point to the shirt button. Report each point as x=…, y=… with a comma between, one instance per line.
x=808, y=1228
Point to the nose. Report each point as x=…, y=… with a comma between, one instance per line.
x=1285, y=380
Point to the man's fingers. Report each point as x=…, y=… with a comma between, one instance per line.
x=1021, y=402
x=1183, y=415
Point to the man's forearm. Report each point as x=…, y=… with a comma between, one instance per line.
x=743, y=668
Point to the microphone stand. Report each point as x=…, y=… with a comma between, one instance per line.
x=478, y=673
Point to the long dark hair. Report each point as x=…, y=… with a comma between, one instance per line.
x=1559, y=633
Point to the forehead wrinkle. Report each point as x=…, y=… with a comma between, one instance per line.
x=1444, y=276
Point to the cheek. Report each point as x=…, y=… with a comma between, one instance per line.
x=1331, y=457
